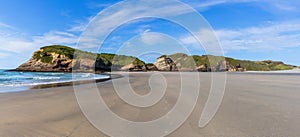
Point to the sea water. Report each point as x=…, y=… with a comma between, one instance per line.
x=11, y=81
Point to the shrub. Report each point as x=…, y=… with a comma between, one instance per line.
x=47, y=59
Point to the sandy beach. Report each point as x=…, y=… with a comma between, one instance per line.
x=253, y=105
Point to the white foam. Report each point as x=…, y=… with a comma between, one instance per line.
x=38, y=79
x=278, y=71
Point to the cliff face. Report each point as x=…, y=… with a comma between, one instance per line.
x=50, y=61
x=183, y=62
x=58, y=58
x=164, y=63
x=61, y=59
x=210, y=63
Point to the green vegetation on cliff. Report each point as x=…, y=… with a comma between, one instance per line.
x=103, y=59
x=260, y=65
x=119, y=60
x=212, y=61
x=63, y=50
x=45, y=55
x=248, y=65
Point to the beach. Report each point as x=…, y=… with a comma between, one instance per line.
x=254, y=104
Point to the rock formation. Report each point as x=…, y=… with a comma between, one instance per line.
x=58, y=58
x=203, y=68
x=225, y=66
x=165, y=63
x=151, y=67
x=129, y=67
x=47, y=62
x=133, y=67
x=61, y=59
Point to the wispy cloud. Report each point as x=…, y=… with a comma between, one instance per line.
x=3, y=25
x=205, y=4
x=18, y=46
x=93, y=5
x=113, y=17
x=275, y=36
x=282, y=5
x=152, y=39
x=269, y=5
x=21, y=45
x=3, y=55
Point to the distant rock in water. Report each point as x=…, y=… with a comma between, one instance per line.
x=59, y=58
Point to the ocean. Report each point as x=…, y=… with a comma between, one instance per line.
x=12, y=81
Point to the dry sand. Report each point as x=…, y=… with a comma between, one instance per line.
x=253, y=105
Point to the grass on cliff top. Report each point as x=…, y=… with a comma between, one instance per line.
x=211, y=60
x=185, y=60
x=118, y=60
x=71, y=53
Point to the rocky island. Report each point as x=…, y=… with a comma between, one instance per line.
x=58, y=58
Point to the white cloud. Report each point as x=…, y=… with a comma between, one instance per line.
x=276, y=36
x=56, y=37
x=3, y=54
x=282, y=5
x=78, y=28
x=93, y=5
x=113, y=17
x=3, y=25
x=143, y=29
x=152, y=38
x=19, y=46
x=205, y=38
x=268, y=5
x=204, y=4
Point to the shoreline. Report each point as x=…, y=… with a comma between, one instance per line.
x=74, y=83
x=116, y=74
x=71, y=83
x=24, y=88
x=253, y=105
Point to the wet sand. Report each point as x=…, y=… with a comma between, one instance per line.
x=253, y=105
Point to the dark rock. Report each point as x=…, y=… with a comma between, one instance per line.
x=129, y=67
x=203, y=68
x=151, y=67
x=165, y=63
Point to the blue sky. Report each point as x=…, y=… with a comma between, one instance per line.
x=246, y=29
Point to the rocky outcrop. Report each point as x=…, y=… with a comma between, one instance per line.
x=133, y=67
x=183, y=62
x=58, y=58
x=151, y=67
x=47, y=62
x=238, y=67
x=61, y=59
x=129, y=67
x=225, y=66
x=165, y=63
x=85, y=64
x=203, y=68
